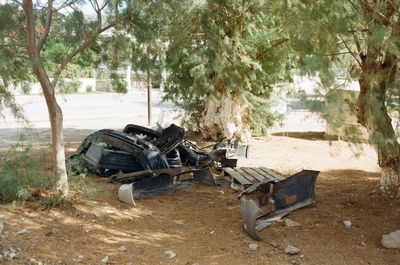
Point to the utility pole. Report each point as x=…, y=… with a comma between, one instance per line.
x=149, y=108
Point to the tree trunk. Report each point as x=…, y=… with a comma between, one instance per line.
x=57, y=135
x=372, y=114
x=225, y=117
x=48, y=88
x=149, y=106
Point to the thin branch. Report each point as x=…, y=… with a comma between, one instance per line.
x=279, y=42
x=49, y=18
x=351, y=52
x=337, y=53
x=353, y=4
x=104, y=5
x=64, y=5
x=86, y=43
x=357, y=42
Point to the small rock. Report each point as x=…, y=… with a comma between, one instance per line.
x=347, y=223
x=391, y=240
x=1, y=226
x=12, y=255
x=22, y=232
x=221, y=192
x=87, y=230
x=291, y=223
x=253, y=246
x=122, y=249
x=291, y=250
x=80, y=257
x=274, y=244
x=212, y=232
x=110, y=211
x=171, y=254
x=97, y=214
x=105, y=259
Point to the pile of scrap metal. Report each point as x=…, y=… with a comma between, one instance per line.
x=148, y=162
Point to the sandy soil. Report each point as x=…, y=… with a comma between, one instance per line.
x=203, y=226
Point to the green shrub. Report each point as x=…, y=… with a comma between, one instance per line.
x=70, y=86
x=26, y=88
x=89, y=89
x=118, y=83
x=80, y=178
x=21, y=173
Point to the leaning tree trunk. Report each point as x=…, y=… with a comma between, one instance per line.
x=372, y=114
x=57, y=135
x=48, y=88
x=226, y=117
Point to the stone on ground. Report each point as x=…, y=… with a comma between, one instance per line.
x=253, y=246
x=291, y=223
x=391, y=240
x=171, y=254
x=291, y=250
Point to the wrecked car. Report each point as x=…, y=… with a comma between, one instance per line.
x=150, y=162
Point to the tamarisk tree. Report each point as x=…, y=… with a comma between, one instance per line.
x=360, y=38
x=63, y=22
x=223, y=58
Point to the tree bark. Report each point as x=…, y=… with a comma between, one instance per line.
x=373, y=115
x=55, y=112
x=225, y=117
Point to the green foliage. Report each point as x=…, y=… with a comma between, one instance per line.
x=225, y=47
x=89, y=89
x=348, y=40
x=20, y=173
x=86, y=184
x=69, y=86
x=118, y=83
x=14, y=69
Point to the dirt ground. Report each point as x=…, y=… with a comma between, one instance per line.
x=202, y=224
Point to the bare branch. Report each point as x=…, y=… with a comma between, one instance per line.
x=63, y=5
x=357, y=42
x=351, y=52
x=49, y=18
x=104, y=4
x=337, y=53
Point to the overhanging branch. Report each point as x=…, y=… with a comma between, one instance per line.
x=49, y=18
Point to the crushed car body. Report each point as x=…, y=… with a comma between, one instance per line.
x=150, y=162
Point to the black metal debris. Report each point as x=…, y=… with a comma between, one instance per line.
x=150, y=162
x=267, y=196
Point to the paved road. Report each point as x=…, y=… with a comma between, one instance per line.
x=85, y=113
